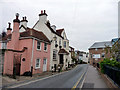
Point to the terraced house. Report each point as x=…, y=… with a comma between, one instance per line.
x=59, y=54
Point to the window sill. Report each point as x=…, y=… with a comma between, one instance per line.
x=39, y=50
x=37, y=68
x=45, y=51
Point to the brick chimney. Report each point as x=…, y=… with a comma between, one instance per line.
x=43, y=16
x=9, y=29
x=15, y=33
x=24, y=22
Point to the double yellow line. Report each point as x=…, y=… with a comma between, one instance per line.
x=73, y=88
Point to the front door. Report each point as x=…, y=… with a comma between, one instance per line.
x=61, y=58
x=17, y=64
x=44, y=64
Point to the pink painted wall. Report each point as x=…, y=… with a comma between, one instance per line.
x=41, y=54
x=8, y=63
x=26, y=65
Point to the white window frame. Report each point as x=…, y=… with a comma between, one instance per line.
x=60, y=42
x=45, y=46
x=65, y=44
x=96, y=56
x=36, y=67
x=39, y=45
x=96, y=49
x=55, y=53
x=44, y=59
x=3, y=45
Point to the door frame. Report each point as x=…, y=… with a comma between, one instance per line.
x=45, y=65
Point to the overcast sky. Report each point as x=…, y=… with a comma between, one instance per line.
x=84, y=21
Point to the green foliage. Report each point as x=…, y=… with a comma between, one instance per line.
x=73, y=59
x=112, y=63
x=114, y=50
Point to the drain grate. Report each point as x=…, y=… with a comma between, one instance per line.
x=88, y=85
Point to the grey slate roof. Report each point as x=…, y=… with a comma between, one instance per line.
x=101, y=44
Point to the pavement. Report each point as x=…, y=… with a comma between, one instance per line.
x=69, y=79
x=93, y=79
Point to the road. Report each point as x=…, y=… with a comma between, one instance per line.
x=69, y=79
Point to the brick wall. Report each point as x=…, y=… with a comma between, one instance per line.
x=97, y=51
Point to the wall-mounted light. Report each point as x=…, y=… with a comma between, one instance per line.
x=55, y=38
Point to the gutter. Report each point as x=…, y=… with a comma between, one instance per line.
x=32, y=52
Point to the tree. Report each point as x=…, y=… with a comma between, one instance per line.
x=114, y=50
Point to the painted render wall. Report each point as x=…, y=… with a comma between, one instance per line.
x=41, y=54
x=26, y=65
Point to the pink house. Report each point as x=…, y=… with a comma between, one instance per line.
x=28, y=51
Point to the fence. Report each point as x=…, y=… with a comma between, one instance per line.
x=113, y=73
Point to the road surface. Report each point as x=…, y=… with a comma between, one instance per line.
x=69, y=79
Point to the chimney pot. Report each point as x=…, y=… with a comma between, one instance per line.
x=17, y=15
x=41, y=11
x=9, y=24
x=25, y=17
x=44, y=11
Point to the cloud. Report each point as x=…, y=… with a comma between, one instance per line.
x=85, y=21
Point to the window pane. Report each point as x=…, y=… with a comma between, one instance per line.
x=44, y=61
x=65, y=44
x=37, y=63
x=45, y=46
x=54, y=54
x=38, y=45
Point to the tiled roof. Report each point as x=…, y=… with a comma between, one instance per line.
x=53, y=30
x=7, y=37
x=101, y=44
x=30, y=33
x=71, y=47
x=48, y=25
x=59, y=31
x=34, y=33
x=63, y=51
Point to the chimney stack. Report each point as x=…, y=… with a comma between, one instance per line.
x=43, y=16
x=15, y=33
x=9, y=28
x=24, y=22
